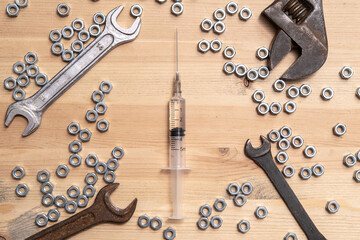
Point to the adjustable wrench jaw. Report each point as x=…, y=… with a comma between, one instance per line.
x=22, y=108
x=301, y=24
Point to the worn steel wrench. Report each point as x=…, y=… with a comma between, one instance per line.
x=263, y=158
x=102, y=211
x=112, y=36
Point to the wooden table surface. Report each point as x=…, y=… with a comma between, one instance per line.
x=220, y=117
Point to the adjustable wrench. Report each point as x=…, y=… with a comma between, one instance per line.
x=102, y=211
x=112, y=36
x=263, y=158
x=301, y=24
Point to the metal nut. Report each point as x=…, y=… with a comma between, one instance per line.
x=18, y=173
x=332, y=207
x=73, y=128
x=261, y=212
x=205, y=210
x=75, y=160
x=243, y=226
x=233, y=189
x=220, y=205
x=47, y=187
x=102, y=125
x=85, y=135
x=73, y=191
x=22, y=190
x=43, y=176
x=91, y=179
x=75, y=146
x=62, y=171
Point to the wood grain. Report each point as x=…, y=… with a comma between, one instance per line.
x=220, y=118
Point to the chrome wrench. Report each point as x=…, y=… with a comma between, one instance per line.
x=112, y=36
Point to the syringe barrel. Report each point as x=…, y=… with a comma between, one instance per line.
x=177, y=152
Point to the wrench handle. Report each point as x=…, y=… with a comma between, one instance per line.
x=73, y=71
x=68, y=227
x=267, y=163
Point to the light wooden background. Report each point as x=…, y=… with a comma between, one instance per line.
x=220, y=118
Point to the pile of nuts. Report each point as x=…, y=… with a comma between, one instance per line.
x=229, y=52
x=68, y=32
x=25, y=72
x=155, y=224
x=239, y=194
x=13, y=9
x=100, y=107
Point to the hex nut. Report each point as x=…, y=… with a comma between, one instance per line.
x=12, y=10
x=73, y=191
x=41, y=220
x=350, y=160
x=47, y=187
x=118, y=152
x=62, y=171
x=57, y=48
x=291, y=236
x=41, y=79
x=101, y=108
x=233, y=189
x=261, y=212
x=89, y=191
x=339, y=129
x=246, y=188
x=60, y=201
x=318, y=170
x=99, y=18
x=91, y=116
x=23, y=80
x=332, y=207
x=243, y=226
x=91, y=160
x=55, y=36
x=75, y=160
x=102, y=125
x=47, y=200
x=112, y=164
x=78, y=24
x=109, y=177
x=71, y=207
x=22, y=190
x=85, y=135
x=216, y=222
x=169, y=233
x=31, y=58
x=144, y=221
x=220, y=205
x=240, y=200
x=101, y=168
x=10, y=83
x=97, y=96
x=205, y=210
x=203, y=223
x=155, y=223
x=53, y=215
x=43, y=176
x=91, y=179
x=19, y=68
x=357, y=176
x=67, y=55
x=63, y=10
x=82, y=201
x=32, y=71
x=75, y=146
x=73, y=128
x=305, y=173
x=18, y=94
x=18, y=173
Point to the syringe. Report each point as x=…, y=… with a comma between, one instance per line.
x=177, y=164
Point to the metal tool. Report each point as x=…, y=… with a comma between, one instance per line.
x=302, y=25
x=102, y=211
x=33, y=108
x=263, y=158
x=177, y=164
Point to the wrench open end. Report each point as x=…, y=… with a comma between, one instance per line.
x=252, y=152
x=111, y=20
x=116, y=215
x=19, y=109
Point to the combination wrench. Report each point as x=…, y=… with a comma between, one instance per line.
x=112, y=36
x=263, y=158
x=102, y=211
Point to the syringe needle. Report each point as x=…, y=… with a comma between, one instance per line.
x=177, y=51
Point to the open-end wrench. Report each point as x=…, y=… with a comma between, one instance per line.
x=112, y=36
x=263, y=158
x=301, y=24
x=102, y=211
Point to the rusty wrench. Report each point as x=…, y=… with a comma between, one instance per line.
x=263, y=158
x=102, y=211
x=112, y=36
x=300, y=22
